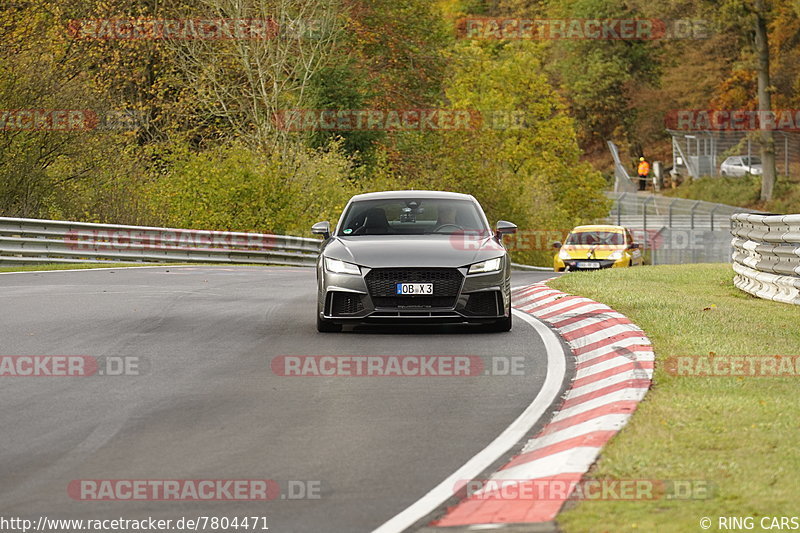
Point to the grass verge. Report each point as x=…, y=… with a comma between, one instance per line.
x=739, y=434
x=743, y=192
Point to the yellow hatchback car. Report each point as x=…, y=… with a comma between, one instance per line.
x=596, y=247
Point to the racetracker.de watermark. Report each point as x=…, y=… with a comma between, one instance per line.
x=69, y=120
x=484, y=28
x=66, y=366
x=377, y=120
x=741, y=366
x=544, y=240
x=124, y=239
x=399, y=120
x=411, y=366
x=733, y=120
x=193, y=489
x=556, y=489
x=196, y=29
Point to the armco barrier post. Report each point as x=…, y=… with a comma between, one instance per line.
x=672, y=203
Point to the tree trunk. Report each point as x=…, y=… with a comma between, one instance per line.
x=767, y=140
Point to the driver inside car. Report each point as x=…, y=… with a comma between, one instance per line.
x=447, y=216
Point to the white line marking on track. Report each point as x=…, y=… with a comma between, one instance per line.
x=556, y=369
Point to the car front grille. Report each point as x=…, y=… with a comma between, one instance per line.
x=382, y=282
x=573, y=263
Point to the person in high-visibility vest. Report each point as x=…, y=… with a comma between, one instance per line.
x=644, y=171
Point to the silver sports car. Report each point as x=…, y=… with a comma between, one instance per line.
x=411, y=257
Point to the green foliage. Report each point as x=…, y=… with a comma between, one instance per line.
x=344, y=86
x=102, y=182
x=525, y=169
x=41, y=69
x=600, y=76
x=235, y=188
x=399, y=42
x=204, y=156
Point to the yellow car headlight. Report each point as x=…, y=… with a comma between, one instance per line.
x=616, y=256
x=563, y=254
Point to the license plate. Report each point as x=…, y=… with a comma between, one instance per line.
x=413, y=289
x=588, y=264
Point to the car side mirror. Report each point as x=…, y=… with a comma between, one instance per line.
x=505, y=228
x=557, y=245
x=634, y=246
x=322, y=228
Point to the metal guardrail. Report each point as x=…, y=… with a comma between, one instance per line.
x=766, y=256
x=25, y=241
x=648, y=211
x=30, y=241
x=622, y=180
x=528, y=268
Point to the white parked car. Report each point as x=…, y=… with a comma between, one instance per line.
x=741, y=165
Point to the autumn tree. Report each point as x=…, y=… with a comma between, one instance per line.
x=751, y=21
x=522, y=161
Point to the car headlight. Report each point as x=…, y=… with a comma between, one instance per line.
x=491, y=265
x=340, y=267
x=615, y=256
x=563, y=254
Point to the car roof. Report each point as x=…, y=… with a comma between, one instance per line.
x=414, y=194
x=598, y=227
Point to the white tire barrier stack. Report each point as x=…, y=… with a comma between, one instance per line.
x=766, y=256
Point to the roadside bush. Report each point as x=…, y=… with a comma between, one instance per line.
x=236, y=188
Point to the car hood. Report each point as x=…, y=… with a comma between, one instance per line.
x=600, y=252
x=407, y=251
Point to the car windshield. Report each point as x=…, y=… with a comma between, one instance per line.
x=411, y=216
x=595, y=238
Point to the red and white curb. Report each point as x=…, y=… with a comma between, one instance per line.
x=614, y=368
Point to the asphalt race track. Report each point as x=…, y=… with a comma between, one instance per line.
x=207, y=404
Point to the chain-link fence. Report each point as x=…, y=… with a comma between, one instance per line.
x=732, y=153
